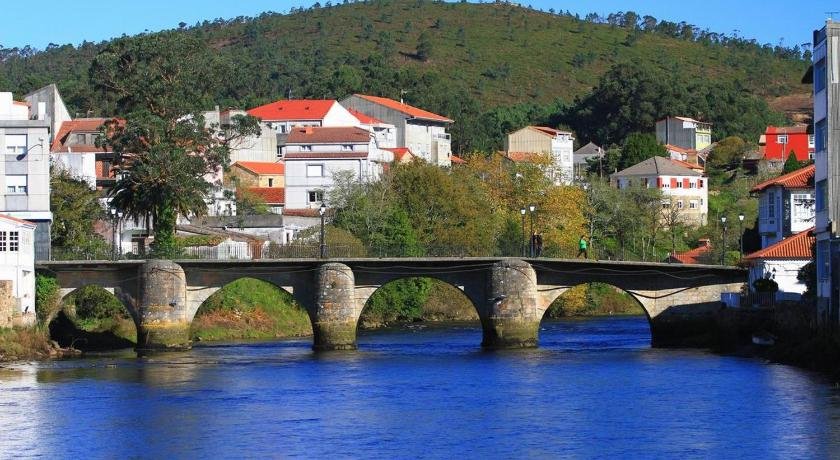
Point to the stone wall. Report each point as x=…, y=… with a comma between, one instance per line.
x=8, y=304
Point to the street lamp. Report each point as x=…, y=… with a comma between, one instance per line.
x=323, y=210
x=723, y=249
x=741, y=233
x=113, y=212
x=532, y=208
x=523, y=211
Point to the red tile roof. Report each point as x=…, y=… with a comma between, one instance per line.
x=325, y=155
x=79, y=125
x=550, y=131
x=17, y=221
x=363, y=118
x=677, y=148
x=328, y=135
x=21, y=103
x=271, y=195
x=457, y=160
x=797, y=129
x=524, y=157
x=793, y=247
x=400, y=153
x=688, y=165
x=293, y=109
x=261, y=167
x=405, y=108
x=801, y=178
x=693, y=256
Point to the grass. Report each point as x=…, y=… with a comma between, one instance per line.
x=20, y=344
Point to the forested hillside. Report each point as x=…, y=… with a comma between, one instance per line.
x=491, y=67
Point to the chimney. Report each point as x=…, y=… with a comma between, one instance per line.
x=308, y=130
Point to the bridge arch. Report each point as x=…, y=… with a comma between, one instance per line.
x=92, y=317
x=249, y=307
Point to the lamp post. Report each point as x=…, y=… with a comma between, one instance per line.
x=741, y=233
x=523, y=211
x=532, y=208
x=323, y=210
x=723, y=248
x=113, y=212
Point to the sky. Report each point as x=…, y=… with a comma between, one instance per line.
x=768, y=21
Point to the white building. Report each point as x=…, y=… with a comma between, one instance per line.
x=681, y=186
x=781, y=262
x=17, y=263
x=284, y=115
x=542, y=140
x=314, y=155
x=25, y=169
x=385, y=134
x=421, y=131
x=785, y=205
x=261, y=148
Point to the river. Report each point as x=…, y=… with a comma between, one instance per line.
x=594, y=389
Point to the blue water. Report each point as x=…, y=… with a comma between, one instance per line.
x=593, y=390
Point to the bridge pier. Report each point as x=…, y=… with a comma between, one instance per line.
x=512, y=315
x=162, y=319
x=334, y=316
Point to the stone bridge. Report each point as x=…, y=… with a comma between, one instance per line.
x=510, y=295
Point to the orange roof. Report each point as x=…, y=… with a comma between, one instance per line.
x=328, y=135
x=793, y=247
x=801, y=178
x=400, y=152
x=550, y=131
x=17, y=221
x=458, y=160
x=24, y=103
x=523, y=157
x=677, y=148
x=797, y=129
x=293, y=109
x=365, y=119
x=79, y=125
x=262, y=167
x=693, y=256
x=271, y=195
x=404, y=108
x=688, y=165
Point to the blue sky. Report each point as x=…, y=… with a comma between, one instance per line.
x=64, y=21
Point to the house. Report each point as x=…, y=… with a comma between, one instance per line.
x=283, y=115
x=779, y=141
x=685, y=191
x=25, y=171
x=74, y=149
x=402, y=154
x=781, y=262
x=684, y=132
x=313, y=157
x=17, y=266
x=258, y=174
x=826, y=56
x=693, y=157
x=262, y=148
x=557, y=145
x=384, y=133
x=274, y=197
x=423, y=132
x=785, y=205
x=698, y=255
x=582, y=157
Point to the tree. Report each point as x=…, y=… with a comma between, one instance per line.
x=164, y=149
x=728, y=153
x=75, y=208
x=424, y=46
x=791, y=164
x=639, y=147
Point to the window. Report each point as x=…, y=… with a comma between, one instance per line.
x=701, y=201
x=819, y=76
x=314, y=170
x=347, y=148
x=679, y=204
x=679, y=184
x=271, y=182
x=823, y=262
x=810, y=140
x=803, y=203
x=782, y=139
x=820, y=135
x=14, y=243
x=666, y=204
x=3, y=236
x=80, y=138
x=692, y=184
x=16, y=184
x=305, y=148
x=692, y=204
x=771, y=204
x=316, y=197
x=821, y=196
x=15, y=144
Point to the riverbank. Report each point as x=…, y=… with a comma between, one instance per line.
x=30, y=344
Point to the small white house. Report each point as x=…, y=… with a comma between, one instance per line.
x=17, y=264
x=781, y=262
x=786, y=205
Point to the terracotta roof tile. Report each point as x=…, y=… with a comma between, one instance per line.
x=325, y=155
x=550, y=131
x=801, y=178
x=328, y=135
x=400, y=153
x=364, y=118
x=797, y=129
x=261, y=167
x=693, y=256
x=271, y=195
x=404, y=108
x=793, y=247
x=524, y=157
x=293, y=109
x=79, y=125
x=17, y=221
x=457, y=160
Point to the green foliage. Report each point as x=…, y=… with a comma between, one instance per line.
x=639, y=147
x=765, y=285
x=400, y=300
x=792, y=164
x=594, y=299
x=728, y=153
x=75, y=208
x=46, y=297
x=199, y=240
x=249, y=203
x=424, y=47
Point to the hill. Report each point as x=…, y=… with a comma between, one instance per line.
x=489, y=66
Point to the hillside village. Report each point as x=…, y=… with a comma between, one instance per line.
x=304, y=161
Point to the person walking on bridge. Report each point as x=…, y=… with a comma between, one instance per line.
x=582, y=244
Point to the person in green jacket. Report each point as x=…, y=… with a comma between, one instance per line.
x=583, y=246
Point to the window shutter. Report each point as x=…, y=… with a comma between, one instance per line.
x=685, y=183
x=673, y=182
x=658, y=182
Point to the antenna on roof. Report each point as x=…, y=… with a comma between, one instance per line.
x=831, y=14
x=402, y=92
x=289, y=93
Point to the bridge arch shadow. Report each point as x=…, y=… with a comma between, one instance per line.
x=416, y=302
x=91, y=318
x=596, y=315
x=249, y=308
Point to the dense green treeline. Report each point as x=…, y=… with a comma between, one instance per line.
x=491, y=67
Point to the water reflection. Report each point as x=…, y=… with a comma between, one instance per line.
x=594, y=389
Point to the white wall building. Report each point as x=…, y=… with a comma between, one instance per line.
x=17, y=263
x=559, y=145
x=283, y=115
x=785, y=205
x=314, y=155
x=781, y=262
